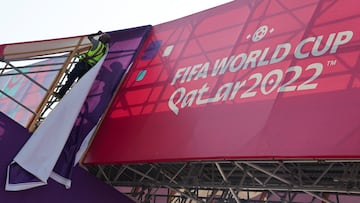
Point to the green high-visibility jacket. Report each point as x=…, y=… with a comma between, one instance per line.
x=92, y=56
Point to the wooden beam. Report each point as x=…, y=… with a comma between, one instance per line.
x=34, y=121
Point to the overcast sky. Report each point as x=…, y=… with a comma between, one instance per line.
x=29, y=20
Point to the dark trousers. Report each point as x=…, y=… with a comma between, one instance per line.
x=79, y=70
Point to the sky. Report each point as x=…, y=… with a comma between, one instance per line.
x=25, y=20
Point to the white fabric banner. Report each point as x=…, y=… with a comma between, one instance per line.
x=40, y=153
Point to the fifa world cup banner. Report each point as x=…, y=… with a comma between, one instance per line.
x=245, y=80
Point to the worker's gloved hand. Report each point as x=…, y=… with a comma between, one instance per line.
x=99, y=32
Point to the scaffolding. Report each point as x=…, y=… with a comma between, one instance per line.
x=236, y=180
x=58, y=56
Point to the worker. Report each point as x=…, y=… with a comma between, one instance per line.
x=86, y=60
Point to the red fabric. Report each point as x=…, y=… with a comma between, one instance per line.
x=2, y=47
x=299, y=102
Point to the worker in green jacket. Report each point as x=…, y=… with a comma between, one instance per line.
x=86, y=61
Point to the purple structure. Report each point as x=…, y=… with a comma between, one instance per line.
x=85, y=187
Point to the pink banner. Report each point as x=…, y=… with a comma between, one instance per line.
x=246, y=80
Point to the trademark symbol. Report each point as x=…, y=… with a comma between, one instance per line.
x=331, y=62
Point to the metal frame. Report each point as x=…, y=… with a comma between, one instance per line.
x=228, y=181
x=48, y=101
x=9, y=65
